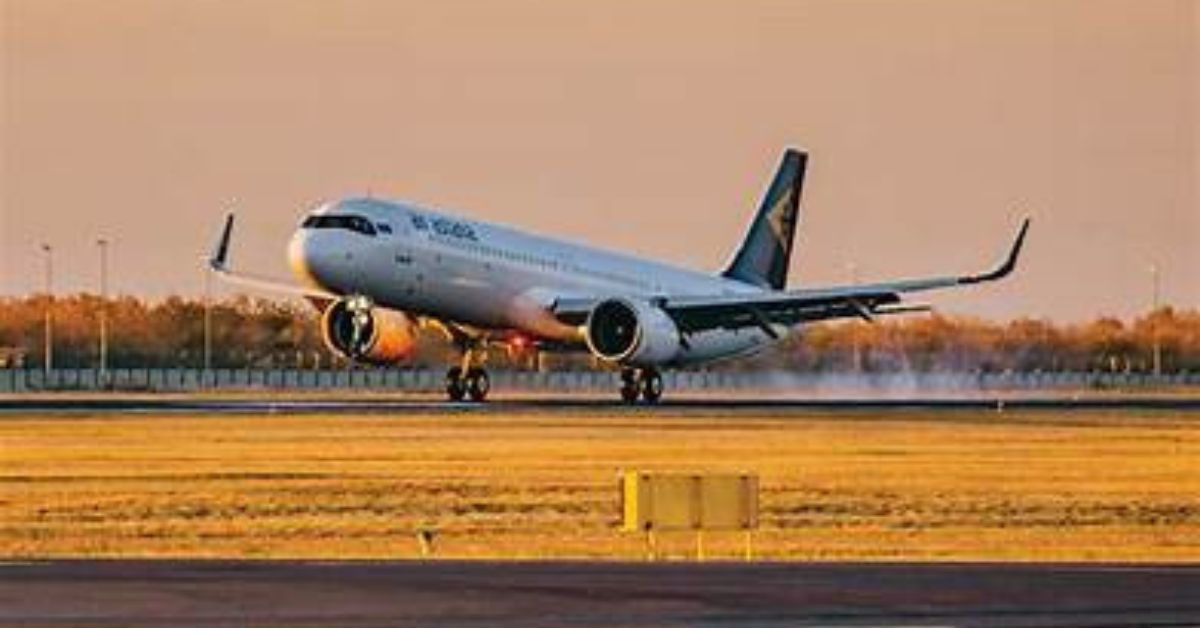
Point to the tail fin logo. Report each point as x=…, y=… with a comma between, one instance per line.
x=762, y=259
x=782, y=217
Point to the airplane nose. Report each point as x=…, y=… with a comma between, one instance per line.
x=300, y=256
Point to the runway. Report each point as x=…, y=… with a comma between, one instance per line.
x=367, y=404
x=219, y=593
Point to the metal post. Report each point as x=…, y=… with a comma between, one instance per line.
x=103, y=244
x=48, y=333
x=1154, y=275
x=207, y=322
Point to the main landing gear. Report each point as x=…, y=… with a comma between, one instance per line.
x=645, y=383
x=472, y=384
x=469, y=380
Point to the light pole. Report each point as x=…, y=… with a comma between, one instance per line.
x=103, y=244
x=48, y=332
x=207, y=321
x=1154, y=278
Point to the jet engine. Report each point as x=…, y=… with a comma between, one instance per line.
x=355, y=328
x=632, y=333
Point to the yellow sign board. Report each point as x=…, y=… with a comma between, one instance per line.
x=677, y=501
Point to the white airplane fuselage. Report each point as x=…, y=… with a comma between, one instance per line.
x=494, y=278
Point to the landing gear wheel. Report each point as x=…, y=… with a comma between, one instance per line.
x=629, y=387
x=456, y=388
x=652, y=386
x=629, y=393
x=477, y=384
x=646, y=384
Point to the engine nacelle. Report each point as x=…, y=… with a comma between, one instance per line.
x=632, y=332
x=354, y=328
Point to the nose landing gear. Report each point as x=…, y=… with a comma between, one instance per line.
x=473, y=384
x=644, y=383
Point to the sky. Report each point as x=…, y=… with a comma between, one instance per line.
x=933, y=127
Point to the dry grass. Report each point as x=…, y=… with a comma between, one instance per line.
x=969, y=485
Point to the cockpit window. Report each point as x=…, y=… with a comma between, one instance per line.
x=357, y=224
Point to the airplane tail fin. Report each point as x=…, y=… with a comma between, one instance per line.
x=763, y=257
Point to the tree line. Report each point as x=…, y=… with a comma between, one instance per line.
x=261, y=333
x=935, y=342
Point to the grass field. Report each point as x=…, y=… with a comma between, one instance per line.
x=950, y=486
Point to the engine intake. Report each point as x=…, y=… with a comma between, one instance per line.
x=632, y=332
x=355, y=328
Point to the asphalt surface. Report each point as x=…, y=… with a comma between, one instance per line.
x=393, y=406
x=226, y=593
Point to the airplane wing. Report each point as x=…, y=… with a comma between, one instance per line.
x=699, y=313
x=219, y=262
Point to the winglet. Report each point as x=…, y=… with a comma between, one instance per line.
x=1009, y=264
x=221, y=253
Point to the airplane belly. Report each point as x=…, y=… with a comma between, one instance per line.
x=722, y=344
x=529, y=310
x=480, y=293
x=463, y=294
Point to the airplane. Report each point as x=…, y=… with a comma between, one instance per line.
x=380, y=270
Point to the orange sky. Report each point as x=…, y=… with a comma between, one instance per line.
x=651, y=126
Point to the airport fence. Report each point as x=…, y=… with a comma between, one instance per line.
x=430, y=380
